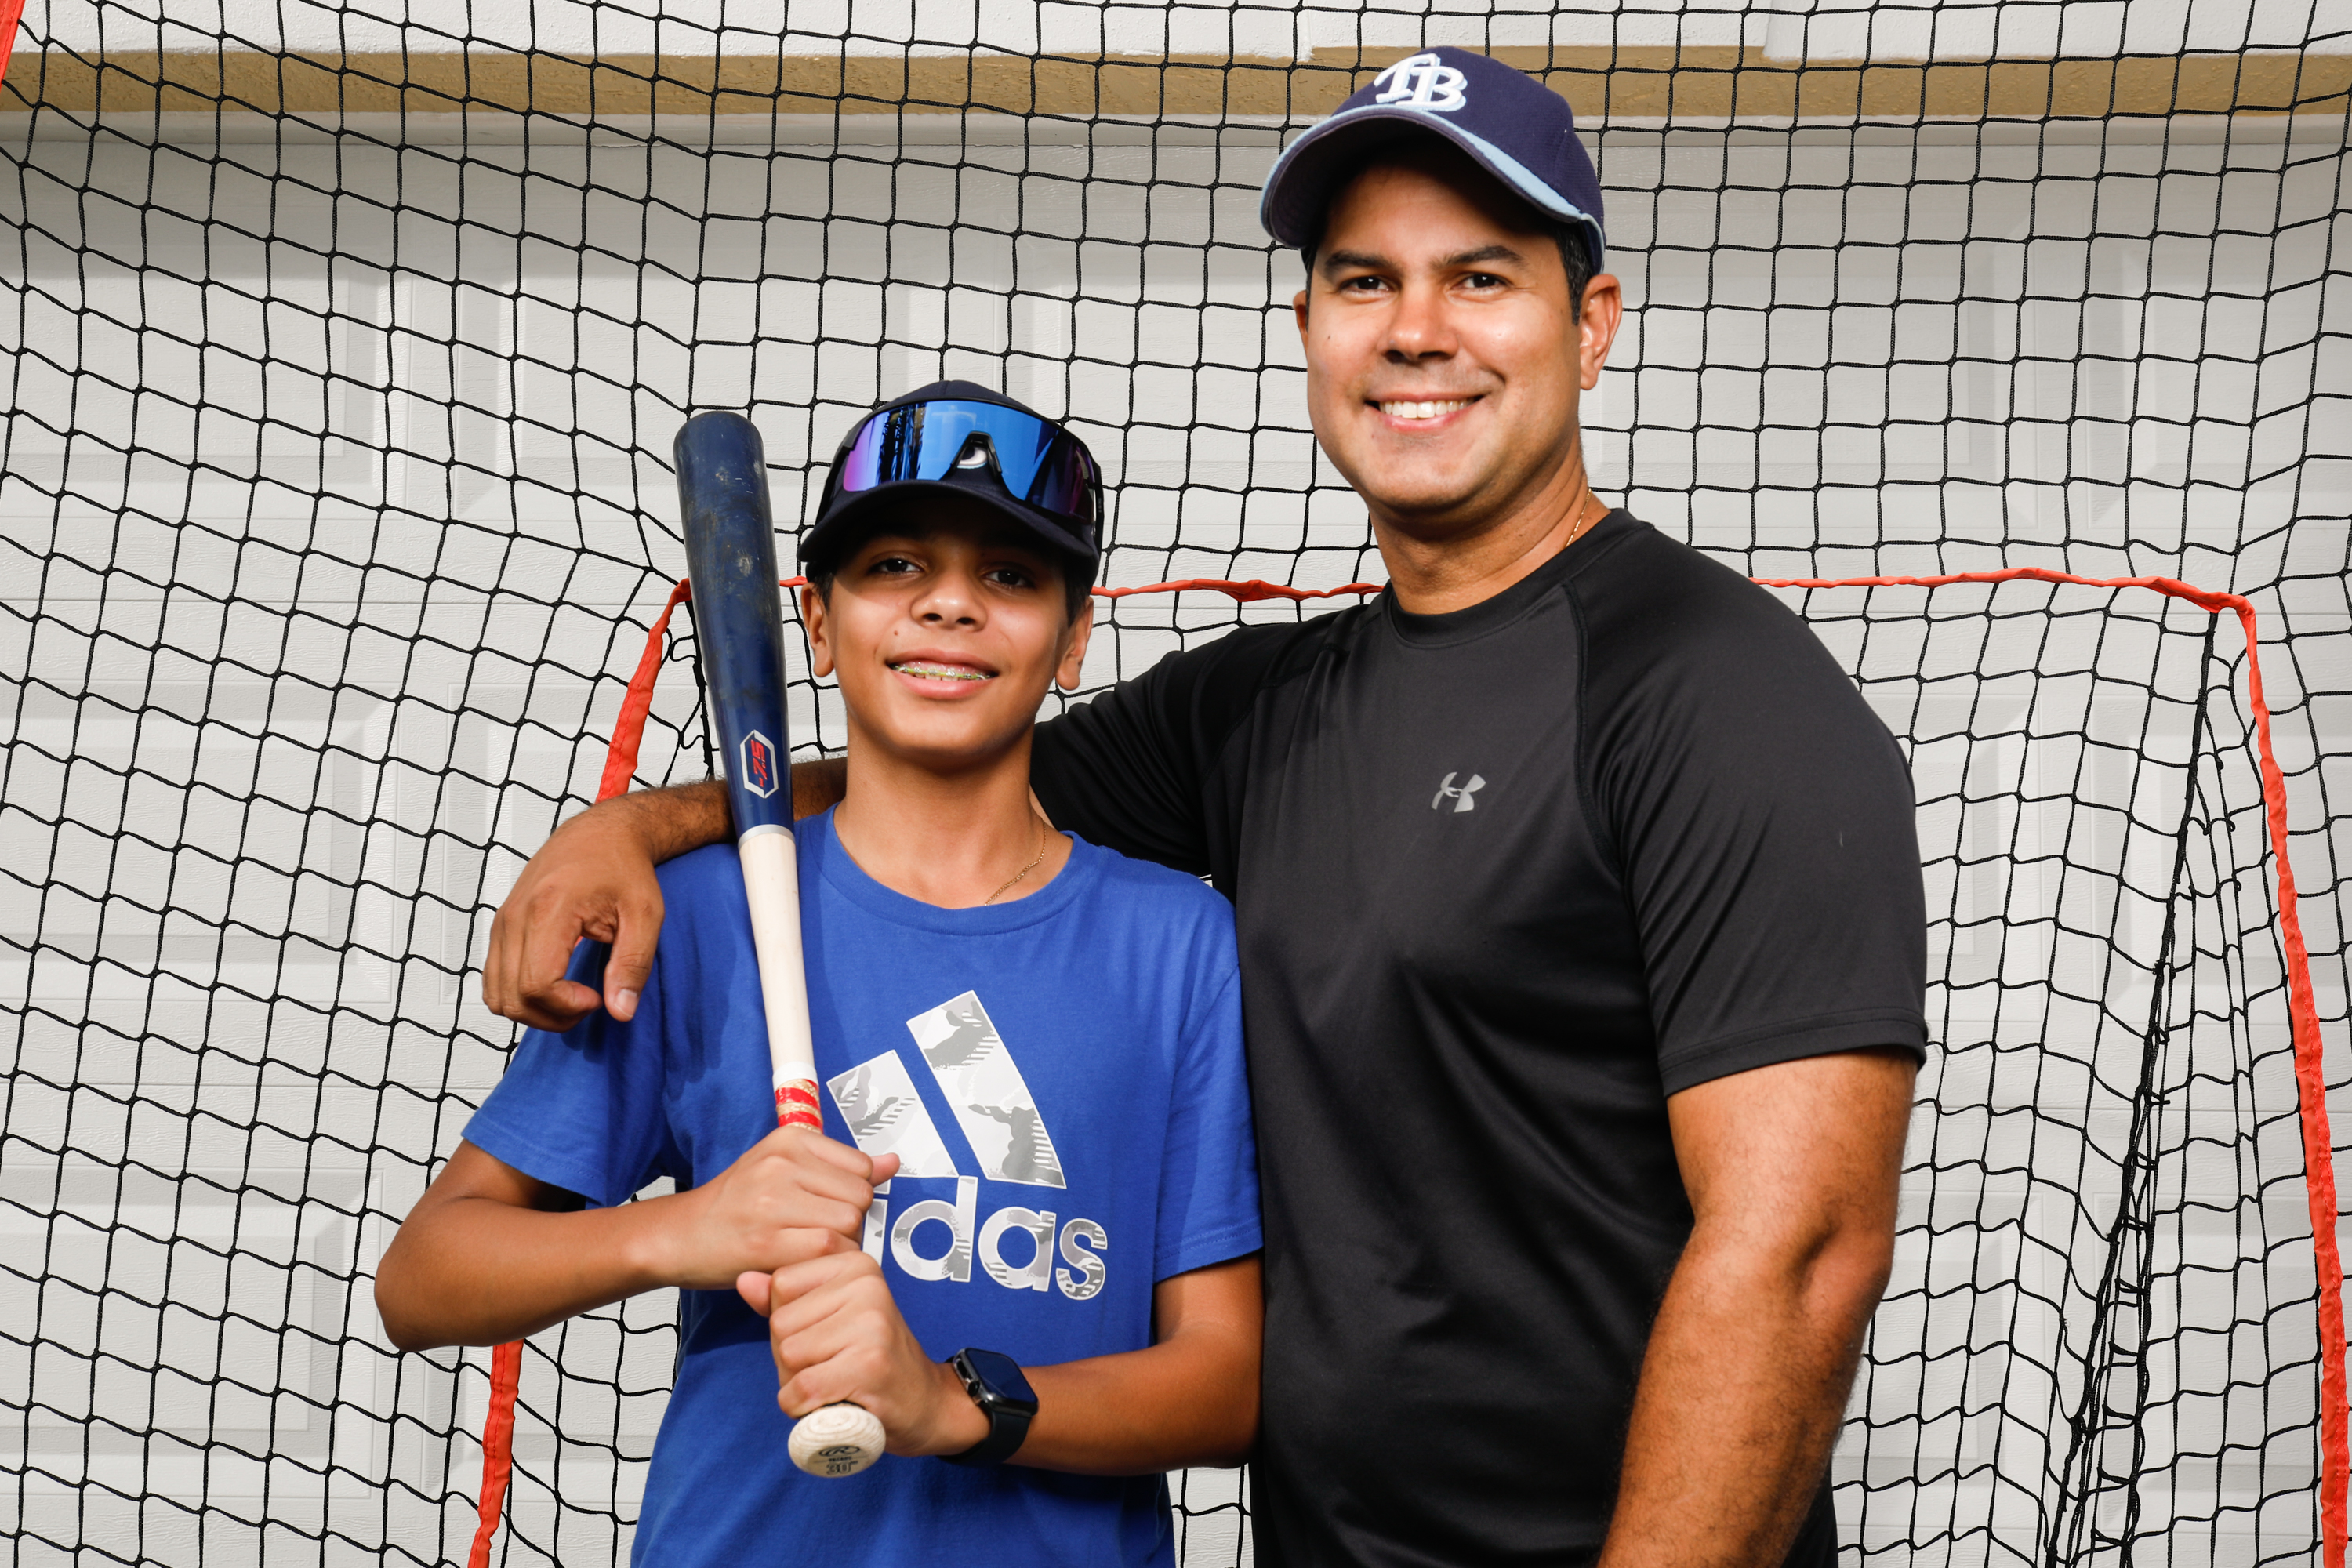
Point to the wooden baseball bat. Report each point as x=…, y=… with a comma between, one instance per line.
x=730, y=554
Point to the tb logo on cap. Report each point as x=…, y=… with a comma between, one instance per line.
x=1421, y=81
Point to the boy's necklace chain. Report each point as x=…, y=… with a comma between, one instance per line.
x=1043, y=839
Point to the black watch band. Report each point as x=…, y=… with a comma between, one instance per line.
x=996, y=1385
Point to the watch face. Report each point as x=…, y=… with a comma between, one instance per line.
x=1001, y=1374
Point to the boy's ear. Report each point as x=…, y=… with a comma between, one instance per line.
x=812, y=614
x=1074, y=654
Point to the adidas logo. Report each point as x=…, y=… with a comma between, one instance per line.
x=999, y=1118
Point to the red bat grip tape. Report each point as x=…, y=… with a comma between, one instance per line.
x=796, y=1106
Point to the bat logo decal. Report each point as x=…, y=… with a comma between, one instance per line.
x=758, y=765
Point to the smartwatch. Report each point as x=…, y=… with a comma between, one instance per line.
x=995, y=1382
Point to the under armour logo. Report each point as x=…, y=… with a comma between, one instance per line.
x=1460, y=795
x=1423, y=81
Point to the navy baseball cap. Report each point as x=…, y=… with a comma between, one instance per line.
x=1511, y=124
x=959, y=437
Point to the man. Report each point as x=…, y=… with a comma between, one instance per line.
x=1581, y=922
x=1063, y=1104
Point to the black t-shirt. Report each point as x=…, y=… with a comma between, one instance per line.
x=1506, y=878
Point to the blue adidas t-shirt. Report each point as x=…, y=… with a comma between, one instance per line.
x=1062, y=1079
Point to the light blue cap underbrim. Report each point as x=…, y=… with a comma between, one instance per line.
x=1523, y=181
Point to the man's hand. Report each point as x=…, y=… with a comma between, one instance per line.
x=836, y=1335
x=594, y=879
x=794, y=1196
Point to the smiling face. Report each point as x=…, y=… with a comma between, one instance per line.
x=945, y=629
x=1444, y=355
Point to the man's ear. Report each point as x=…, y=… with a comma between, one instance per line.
x=812, y=614
x=1597, y=322
x=1298, y=308
x=1074, y=656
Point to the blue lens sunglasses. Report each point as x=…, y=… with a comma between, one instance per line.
x=1035, y=460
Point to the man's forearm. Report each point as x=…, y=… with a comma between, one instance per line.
x=596, y=879
x=669, y=822
x=818, y=784
x=1741, y=1394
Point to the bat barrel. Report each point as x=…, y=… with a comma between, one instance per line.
x=731, y=555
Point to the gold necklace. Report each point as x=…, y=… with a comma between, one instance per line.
x=1587, y=521
x=1043, y=839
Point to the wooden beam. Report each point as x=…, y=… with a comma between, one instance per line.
x=1645, y=84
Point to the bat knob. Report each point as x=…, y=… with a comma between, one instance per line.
x=839, y=1440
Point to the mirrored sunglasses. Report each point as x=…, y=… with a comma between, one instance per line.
x=1035, y=460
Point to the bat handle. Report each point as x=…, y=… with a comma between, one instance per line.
x=840, y=1439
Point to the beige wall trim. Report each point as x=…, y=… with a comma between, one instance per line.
x=1650, y=84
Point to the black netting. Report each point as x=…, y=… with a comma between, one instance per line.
x=343, y=350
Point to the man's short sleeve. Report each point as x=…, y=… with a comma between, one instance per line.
x=583, y=1111
x=1131, y=769
x=1208, y=1174
x=1764, y=819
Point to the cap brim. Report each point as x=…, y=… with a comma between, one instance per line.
x=821, y=542
x=1300, y=188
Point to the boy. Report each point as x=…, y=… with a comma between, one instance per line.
x=1033, y=1044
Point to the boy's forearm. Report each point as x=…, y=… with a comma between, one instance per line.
x=476, y=1271
x=490, y=1254
x=1190, y=1399
x=1163, y=1409
x=836, y=1333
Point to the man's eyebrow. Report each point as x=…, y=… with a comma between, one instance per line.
x=1363, y=260
x=1484, y=253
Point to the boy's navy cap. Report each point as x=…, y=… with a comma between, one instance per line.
x=821, y=540
x=1511, y=124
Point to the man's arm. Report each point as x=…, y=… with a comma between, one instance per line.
x=1189, y=1399
x=490, y=1254
x=1123, y=771
x=1791, y=1171
x=594, y=879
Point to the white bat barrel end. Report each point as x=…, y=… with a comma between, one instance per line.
x=839, y=1440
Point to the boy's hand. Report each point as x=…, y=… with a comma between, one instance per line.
x=836, y=1334
x=794, y=1196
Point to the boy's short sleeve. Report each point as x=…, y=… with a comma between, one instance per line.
x=583, y=1111
x=1208, y=1178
